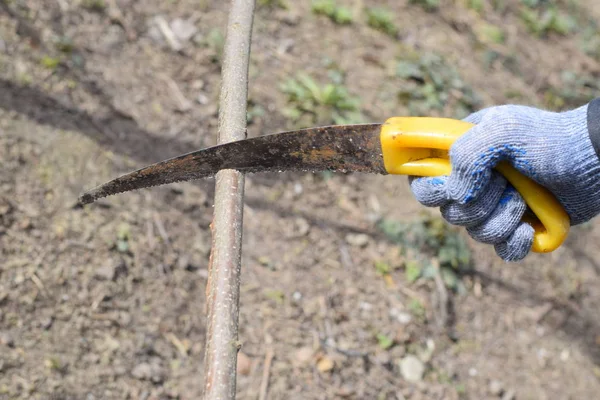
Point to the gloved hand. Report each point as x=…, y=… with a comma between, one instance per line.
x=554, y=149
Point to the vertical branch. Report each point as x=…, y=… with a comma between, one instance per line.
x=224, y=268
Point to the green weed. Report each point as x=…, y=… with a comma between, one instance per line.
x=476, y=5
x=430, y=84
x=273, y=4
x=311, y=103
x=574, y=90
x=65, y=44
x=382, y=20
x=488, y=33
x=214, y=41
x=338, y=14
x=417, y=309
x=590, y=41
x=544, y=22
x=275, y=295
x=123, y=236
x=384, y=341
x=428, y=5
x=50, y=62
x=383, y=268
x=430, y=238
x=94, y=5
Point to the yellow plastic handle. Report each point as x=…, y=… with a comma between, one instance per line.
x=419, y=146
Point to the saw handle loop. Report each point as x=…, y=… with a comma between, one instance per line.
x=419, y=146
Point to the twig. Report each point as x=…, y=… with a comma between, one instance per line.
x=183, y=104
x=223, y=287
x=442, y=296
x=264, y=384
x=165, y=29
x=161, y=229
x=179, y=345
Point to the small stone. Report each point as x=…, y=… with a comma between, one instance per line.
x=148, y=372
x=105, y=272
x=357, y=239
x=412, y=369
x=244, y=364
x=183, y=29
x=509, y=395
x=304, y=355
x=325, y=364
x=300, y=227
x=404, y=318
x=6, y=339
x=202, y=99
x=496, y=388
x=197, y=84
x=46, y=323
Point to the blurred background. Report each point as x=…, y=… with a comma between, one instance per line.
x=355, y=290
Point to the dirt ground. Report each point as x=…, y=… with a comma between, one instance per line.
x=107, y=301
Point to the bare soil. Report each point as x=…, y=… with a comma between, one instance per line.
x=107, y=301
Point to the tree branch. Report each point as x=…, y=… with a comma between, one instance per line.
x=224, y=268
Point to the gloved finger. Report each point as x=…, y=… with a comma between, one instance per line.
x=478, y=210
x=503, y=221
x=476, y=117
x=429, y=191
x=518, y=245
x=473, y=156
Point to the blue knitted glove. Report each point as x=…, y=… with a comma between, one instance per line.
x=554, y=149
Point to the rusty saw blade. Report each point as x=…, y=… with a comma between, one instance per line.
x=335, y=148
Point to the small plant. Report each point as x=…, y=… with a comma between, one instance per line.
x=417, y=309
x=94, y=5
x=123, y=236
x=273, y=4
x=338, y=14
x=428, y=5
x=50, y=62
x=488, y=33
x=544, y=22
x=311, y=103
x=429, y=84
x=475, y=5
x=384, y=341
x=214, y=41
x=430, y=238
x=575, y=89
x=65, y=44
x=382, y=20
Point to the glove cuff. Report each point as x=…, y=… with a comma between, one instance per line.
x=593, y=124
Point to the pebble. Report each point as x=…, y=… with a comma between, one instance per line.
x=412, y=369
x=106, y=272
x=6, y=339
x=202, y=99
x=509, y=395
x=325, y=364
x=183, y=29
x=304, y=355
x=496, y=388
x=148, y=372
x=357, y=239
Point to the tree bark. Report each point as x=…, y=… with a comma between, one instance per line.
x=224, y=267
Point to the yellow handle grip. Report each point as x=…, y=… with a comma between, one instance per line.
x=419, y=146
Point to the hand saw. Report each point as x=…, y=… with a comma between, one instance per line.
x=401, y=146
